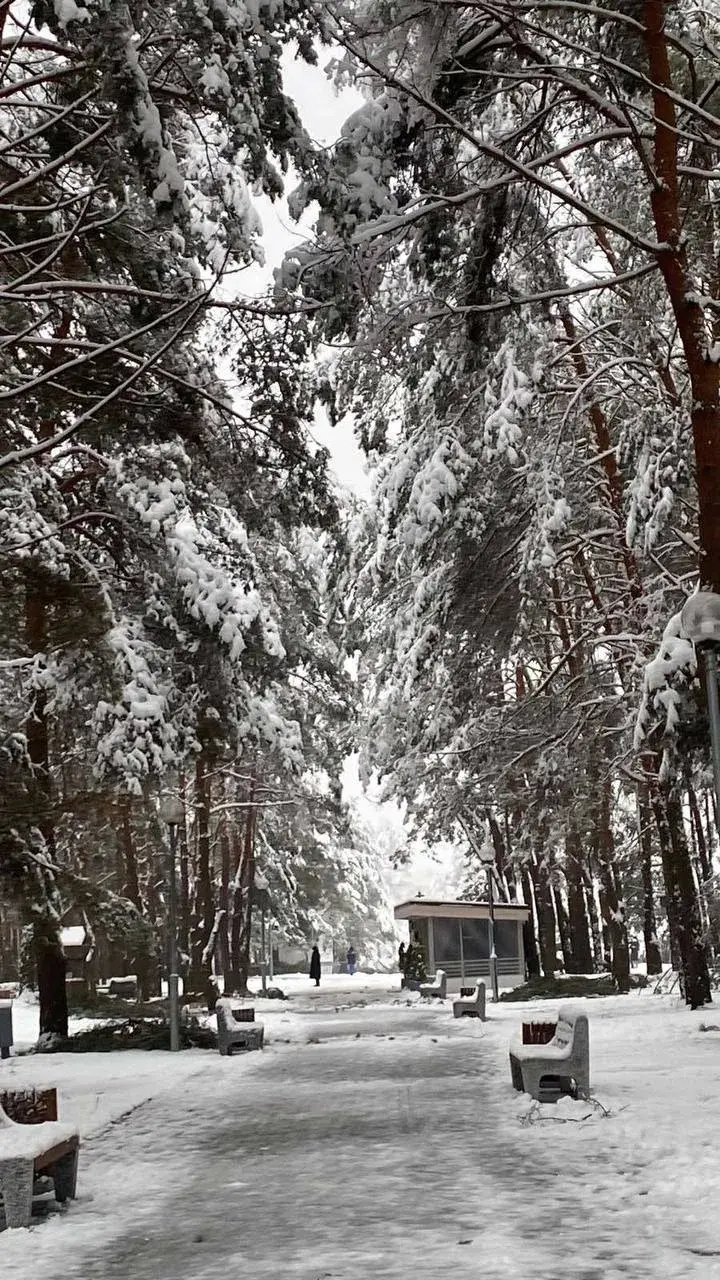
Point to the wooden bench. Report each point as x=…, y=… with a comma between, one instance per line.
x=473, y=1005
x=33, y=1144
x=437, y=989
x=126, y=988
x=546, y=1071
x=237, y=1028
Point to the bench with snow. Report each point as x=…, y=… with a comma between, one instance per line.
x=546, y=1071
x=471, y=1005
x=126, y=988
x=34, y=1146
x=437, y=988
x=236, y=1028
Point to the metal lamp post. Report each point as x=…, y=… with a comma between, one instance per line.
x=700, y=622
x=487, y=858
x=173, y=813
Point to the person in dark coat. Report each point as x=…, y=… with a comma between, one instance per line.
x=351, y=959
x=401, y=958
x=315, y=969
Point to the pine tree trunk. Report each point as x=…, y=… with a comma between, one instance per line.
x=131, y=884
x=546, y=914
x=679, y=273
x=49, y=956
x=51, y=970
x=593, y=918
x=203, y=906
x=563, y=923
x=500, y=852
x=511, y=869
x=223, y=934
x=704, y=868
x=687, y=950
x=612, y=903
x=248, y=886
x=142, y=962
x=582, y=961
x=653, y=958
x=691, y=943
x=530, y=946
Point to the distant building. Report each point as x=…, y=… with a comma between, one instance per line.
x=456, y=937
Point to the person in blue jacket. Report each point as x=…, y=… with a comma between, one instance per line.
x=351, y=959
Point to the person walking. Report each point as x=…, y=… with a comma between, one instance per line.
x=401, y=958
x=315, y=969
x=351, y=959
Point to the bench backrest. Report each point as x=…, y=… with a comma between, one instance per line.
x=224, y=1015
x=29, y=1106
x=572, y=1030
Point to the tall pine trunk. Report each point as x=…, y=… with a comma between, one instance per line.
x=242, y=903
x=203, y=916
x=683, y=908
x=530, y=945
x=47, y=946
x=613, y=906
x=582, y=960
x=223, y=932
x=546, y=914
x=563, y=924
x=653, y=958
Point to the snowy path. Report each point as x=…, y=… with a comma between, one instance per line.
x=396, y=1155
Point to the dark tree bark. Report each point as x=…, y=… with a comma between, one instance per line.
x=142, y=962
x=499, y=847
x=532, y=957
x=593, y=918
x=611, y=899
x=51, y=971
x=563, y=924
x=203, y=916
x=691, y=942
x=704, y=868
x=49, y=955
x=582, y=959
x=653, y=957
x=242, y=903
x=669, y=214
x=683, y=909
x=223, y=943
x=546, y=914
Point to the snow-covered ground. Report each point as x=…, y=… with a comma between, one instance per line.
x=377, y=1138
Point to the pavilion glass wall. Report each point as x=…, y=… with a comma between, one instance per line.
x=462, y=947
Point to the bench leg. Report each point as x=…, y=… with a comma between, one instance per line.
x=16, y=1184
x=64, y=1175
x=516, y=1073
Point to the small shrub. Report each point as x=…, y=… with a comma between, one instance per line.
x=571, y=987
x=129, y=1033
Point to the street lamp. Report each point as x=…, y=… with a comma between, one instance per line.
x=700, y=622
x=173, y=813
x=486, y=855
